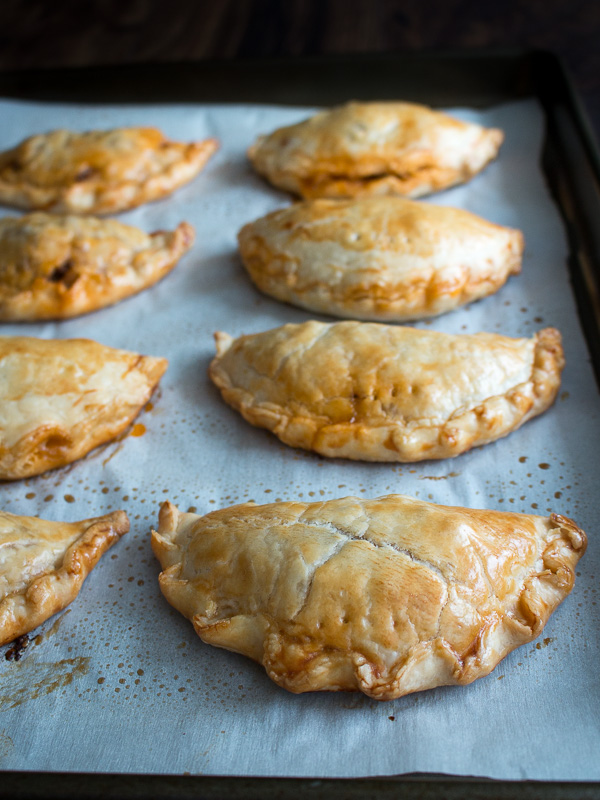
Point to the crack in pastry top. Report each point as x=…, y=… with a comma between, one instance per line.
x=343, y=538
x=388, y=596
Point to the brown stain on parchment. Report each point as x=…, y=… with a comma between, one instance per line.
x=116, y=444
x=135, y=428
x=17, y=648
x=28, y=680
x=439, y=477
x=6, y=744
x=41, y=637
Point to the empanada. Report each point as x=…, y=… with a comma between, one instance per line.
x=362, y=149
x=54, y=267
x=379, y=258
x=98, y=172
x=44, y=564
x=389, y=596
x=60, y=398
x=375, y=392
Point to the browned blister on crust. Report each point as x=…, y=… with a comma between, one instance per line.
x=43, y=565
x=383, y=259
x=98, y=172
x=386, y=596
x=384, y=393
x=370, y=149
x=59, y=399
x=56, y=267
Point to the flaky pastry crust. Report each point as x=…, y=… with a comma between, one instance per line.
x=387, y=596
x=383, y=259
x=98, y=172
x=375, y=392
x=55, y=267
x=43, y=565
x=61, y=398
x=367, y=149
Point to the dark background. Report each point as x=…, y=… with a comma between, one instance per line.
x=38, y=33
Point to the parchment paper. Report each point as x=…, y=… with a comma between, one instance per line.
x=121, y=683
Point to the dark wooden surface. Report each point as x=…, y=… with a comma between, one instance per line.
x=39, y=33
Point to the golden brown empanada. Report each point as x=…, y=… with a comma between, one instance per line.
x=389, y=596
x=54, y=267
x=98, y=172
x=383, y=393
x=60, y=398
x=379, y=258
x=44, y=564
x=362, y=149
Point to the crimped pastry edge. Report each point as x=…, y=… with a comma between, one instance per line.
x=23, y=460
x=406, y=299
x=370, y=174
x=490, y=420
x=24, y=611
x=81, y=198
x=430, y=664
x=53, y=300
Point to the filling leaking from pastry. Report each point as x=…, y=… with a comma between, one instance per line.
x=57, y=267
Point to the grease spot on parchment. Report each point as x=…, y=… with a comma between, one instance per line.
x=6, y=744
x=28, y=680
x=41, y=637
x=545, y=643
x=438, y=477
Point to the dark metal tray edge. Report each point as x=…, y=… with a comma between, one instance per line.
x=571, y=162
x=104, y=786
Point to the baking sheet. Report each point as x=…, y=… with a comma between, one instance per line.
x=120, y=682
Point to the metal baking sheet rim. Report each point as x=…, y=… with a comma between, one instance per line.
x=565, y=120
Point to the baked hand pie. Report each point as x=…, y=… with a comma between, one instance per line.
x=378, y=258
x=44, y=564
x=374, y=392
x=388, y=596
x=366, y=149
x=60, y=398
x=98, y=172
x=55, y=267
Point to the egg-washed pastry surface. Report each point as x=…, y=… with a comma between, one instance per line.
x=55, y=267
x=375, y=392
x=365, y=149
x=43, y=565
x=98, y=172
x=388, y=596
x=61, y=398
x=378, y=258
